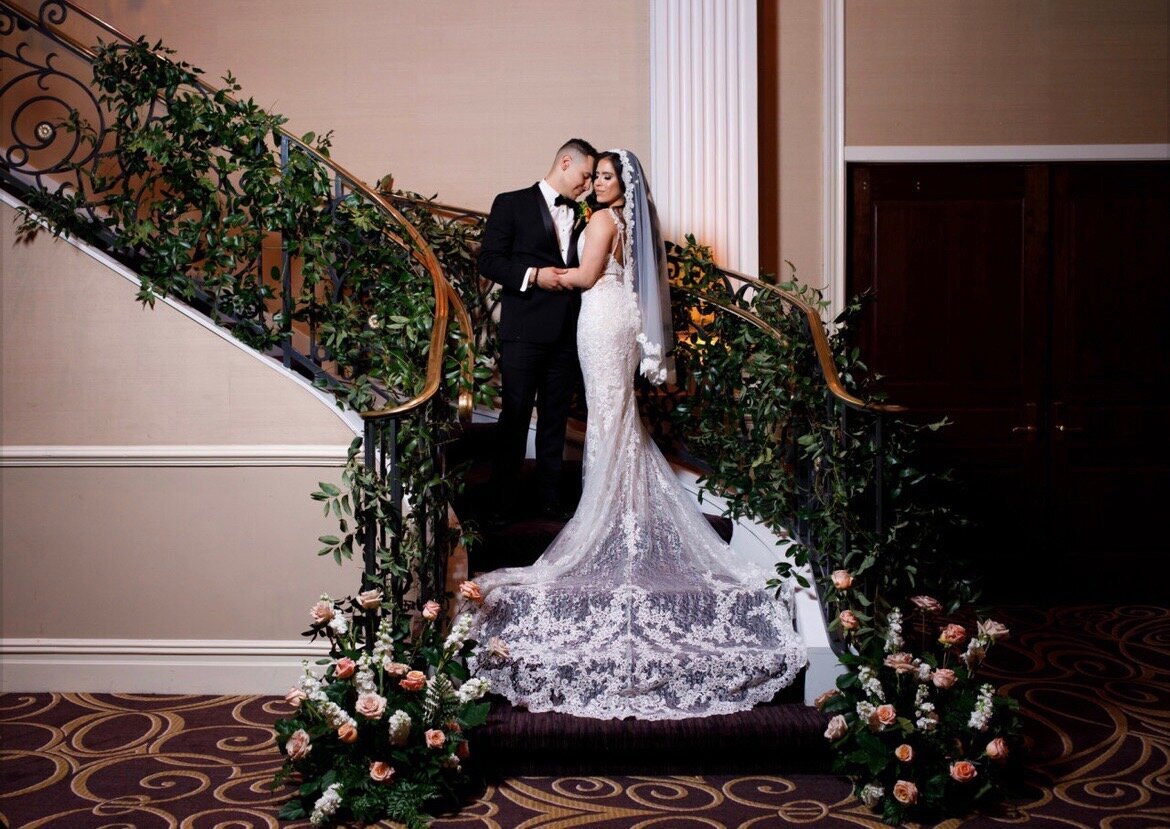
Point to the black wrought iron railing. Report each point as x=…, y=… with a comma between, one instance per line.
x=271, y=239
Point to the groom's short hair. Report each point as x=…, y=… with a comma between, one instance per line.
x=577, y=146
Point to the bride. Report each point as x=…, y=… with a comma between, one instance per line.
x=637, y=608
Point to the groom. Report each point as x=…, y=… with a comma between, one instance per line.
x=529, y=240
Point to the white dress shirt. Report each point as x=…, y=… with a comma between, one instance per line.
x=562, y=216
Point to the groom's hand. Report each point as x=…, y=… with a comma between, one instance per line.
x=550, y=278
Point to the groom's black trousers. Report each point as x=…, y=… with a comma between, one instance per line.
x=545, y=374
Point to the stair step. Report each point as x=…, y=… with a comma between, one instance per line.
x=774, y=738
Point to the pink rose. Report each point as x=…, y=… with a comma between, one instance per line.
x=929, y=604
x=993, y=630
x=837, y=729
x=435, y=738
x=901, y=662
x=394, y=669
x=997, y=750
x=842, y=579
x=904, y=753
x=883, y=717
x=470, y=591
x=952, y=635
x=343, y=668
x=430, y=611
x=347, y=733
x=943, y=678
x=905, y=792
x=963, y=771
x=370, y=600
x=321, y=613
x=381, y=772
x=295, y=697
x=371, y=706
x=298, y=745
x=849, y=620
x=414, y=681
x=820, y=701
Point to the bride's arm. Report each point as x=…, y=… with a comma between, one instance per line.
x=599, y=235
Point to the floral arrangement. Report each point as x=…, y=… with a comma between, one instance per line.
x=918, y=732
x=382, y=732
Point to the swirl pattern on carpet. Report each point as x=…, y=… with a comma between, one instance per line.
x=1093, y=682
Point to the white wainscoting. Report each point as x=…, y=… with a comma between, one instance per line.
x=153, y=666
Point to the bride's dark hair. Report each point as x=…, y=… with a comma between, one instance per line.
x=616, y=161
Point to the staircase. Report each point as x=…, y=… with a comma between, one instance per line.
x=784, y=735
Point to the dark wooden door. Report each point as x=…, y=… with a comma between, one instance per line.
x=1110, y=360
x=988, y=310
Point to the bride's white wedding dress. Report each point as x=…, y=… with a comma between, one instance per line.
x=637, y=608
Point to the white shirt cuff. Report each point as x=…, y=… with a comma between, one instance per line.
x=530, y=274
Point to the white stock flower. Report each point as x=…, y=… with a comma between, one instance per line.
x=326, y=805
x=399, y=728
x=458, y=633
x=473, y=689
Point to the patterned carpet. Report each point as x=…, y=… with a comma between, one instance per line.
x=1093, y=681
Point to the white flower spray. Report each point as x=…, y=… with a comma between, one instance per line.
x=981, y=715
x=458, y=634
x=399, y=728
x=326, y=806
x=925, y=717
x=894, y=631
x=473, y=689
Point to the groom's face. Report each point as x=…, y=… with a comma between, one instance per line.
x=579, y=175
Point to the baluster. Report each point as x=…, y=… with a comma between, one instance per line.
x=399, y=589
x=878, y=473
x=370, y=437
x=285, y=274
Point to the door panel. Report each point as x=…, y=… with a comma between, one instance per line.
x=1110, y=358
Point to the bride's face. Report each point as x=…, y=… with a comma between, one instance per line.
x=607, y=185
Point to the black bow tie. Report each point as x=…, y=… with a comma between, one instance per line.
x=566, y=201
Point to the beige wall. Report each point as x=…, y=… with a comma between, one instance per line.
x=463, y=98
x=791, y=139
x=191, y=553
x=937, y=72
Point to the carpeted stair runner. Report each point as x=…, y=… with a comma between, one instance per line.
x=782, y=735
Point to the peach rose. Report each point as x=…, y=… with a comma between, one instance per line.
x=430, y=611
x=370, y=600
x=381, y=772
x=394, y=669
x=321, y=613
x=343, y=668
x=905, y=792
x=997, y=750
x=470, y=591
x=347, y=733
x=298, y=745
x=295, y=697
x=883, y=716
x=463, y=750
x=820, y=701
x=952, y=635
x=435, y=738
x=904, y=753
x=842, y=579
x=964, y=771
x=414, y=681
x=928, y=604
x=371, y=706
x=943, y=678
x=849, y=620
x=901, y=662
x=837, y=728
x=993, y=630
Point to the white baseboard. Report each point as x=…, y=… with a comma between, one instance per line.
x=153, y=666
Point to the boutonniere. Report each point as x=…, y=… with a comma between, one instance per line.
x=584, y=214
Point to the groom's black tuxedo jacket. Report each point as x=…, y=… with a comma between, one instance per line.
x=520, y=234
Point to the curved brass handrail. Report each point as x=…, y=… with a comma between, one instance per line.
x=445, y=293
x=816, y=325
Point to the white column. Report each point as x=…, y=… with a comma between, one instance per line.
x=704, y=164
